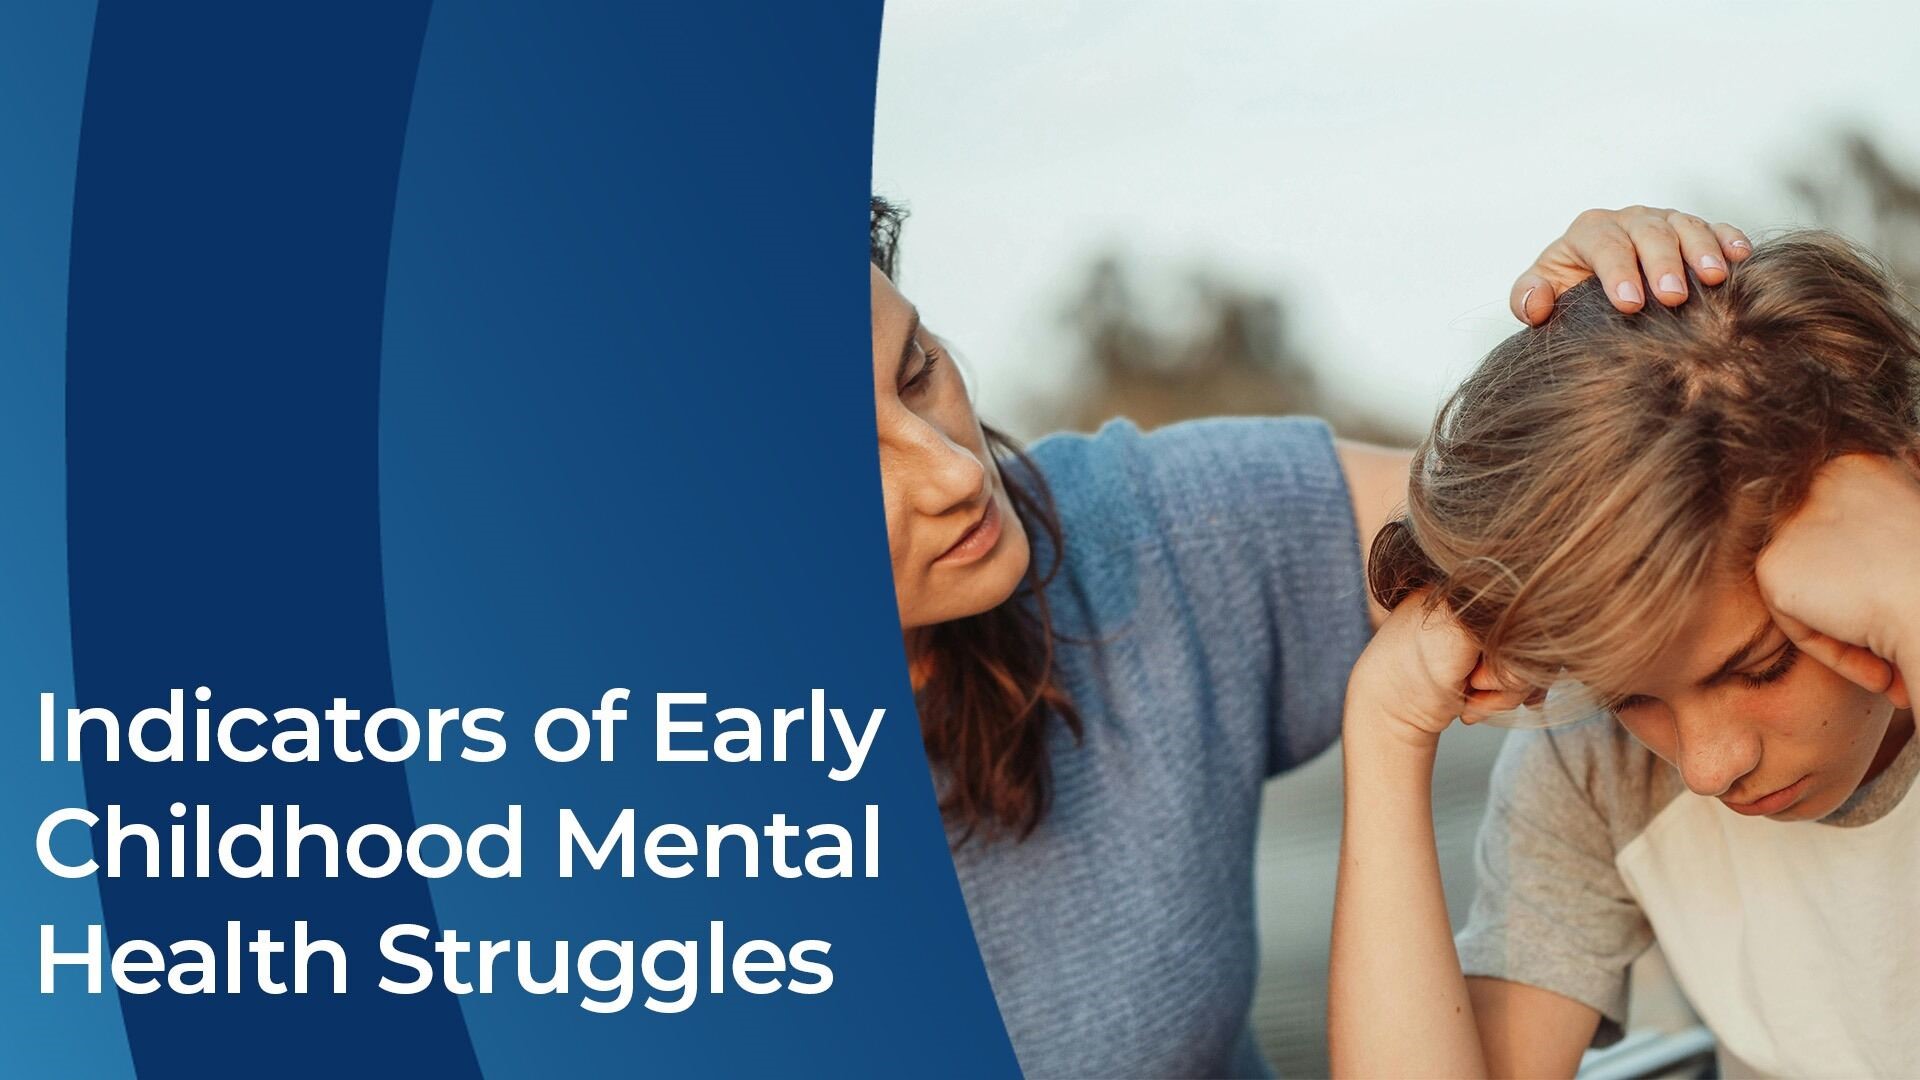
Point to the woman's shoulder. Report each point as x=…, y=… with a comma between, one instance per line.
x=1192, y=480
x=1232, y=537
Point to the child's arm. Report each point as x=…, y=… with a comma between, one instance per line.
x=1842, y=576
x=1398, y=1004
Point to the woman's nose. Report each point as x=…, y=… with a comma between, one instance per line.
x=950, y=476
x=1715, y=751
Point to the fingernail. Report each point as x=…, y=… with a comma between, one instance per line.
x=1742, y=245
x=1670, y=284
x=1628, y=292
x=1523, y=301
x=1711, y=262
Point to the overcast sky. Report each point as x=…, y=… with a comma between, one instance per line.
x=1390, y=168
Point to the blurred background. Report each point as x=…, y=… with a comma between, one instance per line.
x=1173, y=209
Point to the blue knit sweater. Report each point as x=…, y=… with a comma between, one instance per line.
x=1213, y=571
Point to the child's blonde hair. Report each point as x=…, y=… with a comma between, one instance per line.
x=1595, y=471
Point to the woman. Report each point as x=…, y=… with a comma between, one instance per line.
x=1117, y=639
x=1706, y=516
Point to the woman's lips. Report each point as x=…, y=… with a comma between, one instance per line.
x=1771, y=804
x=978, y=540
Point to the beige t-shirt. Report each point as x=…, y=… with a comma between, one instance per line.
x=1792, y=940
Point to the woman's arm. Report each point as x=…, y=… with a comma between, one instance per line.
x=1398, y=1004
x=1377, y=483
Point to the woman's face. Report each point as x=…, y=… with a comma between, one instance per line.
x=1749, y=720
x=958, y=548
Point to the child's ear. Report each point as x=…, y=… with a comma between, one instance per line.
x=1481, y=704
x=1482, y=677
x=1484, y=680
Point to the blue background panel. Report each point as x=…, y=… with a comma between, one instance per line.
x=473, y=355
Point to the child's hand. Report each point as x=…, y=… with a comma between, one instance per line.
x=1421, y=673
x=1842, y=576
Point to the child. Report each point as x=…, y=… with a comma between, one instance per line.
x=1707, y=515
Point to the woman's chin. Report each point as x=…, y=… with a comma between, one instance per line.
x=993, y=580
x=950, y=593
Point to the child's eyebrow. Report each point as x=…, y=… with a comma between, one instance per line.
x=1742, y=654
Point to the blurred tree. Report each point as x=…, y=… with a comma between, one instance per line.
x=1213, y=348
x=1860, y=191
x=1220, y=350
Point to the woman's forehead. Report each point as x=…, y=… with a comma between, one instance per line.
x=886, y=296
x=893, y=317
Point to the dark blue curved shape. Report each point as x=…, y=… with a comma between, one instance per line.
x=233, y=205
x=628, y=440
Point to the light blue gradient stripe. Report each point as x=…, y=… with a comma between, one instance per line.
x=43, y=71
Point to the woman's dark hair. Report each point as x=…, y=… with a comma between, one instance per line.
x=988, y=689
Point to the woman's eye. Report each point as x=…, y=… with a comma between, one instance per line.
x=1625, y=704
x=1774, y=671
x=924, y=376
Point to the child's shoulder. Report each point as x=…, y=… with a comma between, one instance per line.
x=1592, y=766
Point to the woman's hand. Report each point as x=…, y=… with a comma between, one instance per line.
x=1629, y=249
x=1842, y=576
x=1420, y=673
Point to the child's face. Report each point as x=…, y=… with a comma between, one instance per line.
x=1749, y=720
